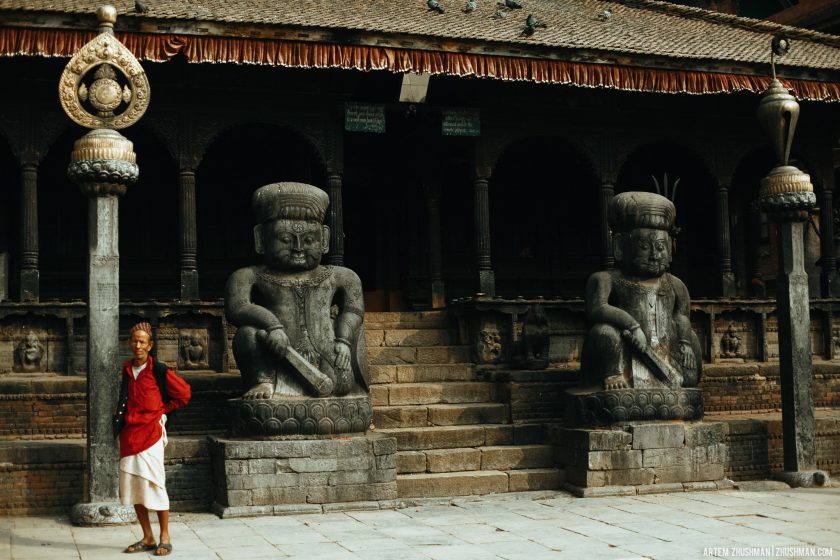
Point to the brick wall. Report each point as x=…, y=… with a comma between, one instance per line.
x=39, y=477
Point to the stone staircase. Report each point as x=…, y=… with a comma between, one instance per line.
x=453, y=436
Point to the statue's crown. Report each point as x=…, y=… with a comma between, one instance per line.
x=632, y=210
x=290, y=201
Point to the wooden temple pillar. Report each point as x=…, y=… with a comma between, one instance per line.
x=829, y=281
x=335, y=220
x=189, y=243
x=481, y=224
x=607, y=194
x=727, y=277
x=29, y=274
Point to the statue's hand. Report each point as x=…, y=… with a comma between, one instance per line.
x=275, y=340
x=688, y=359
x=637, y=338
x=342, y=355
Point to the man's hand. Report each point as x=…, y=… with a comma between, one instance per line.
x=275, y=340
x=637, y=338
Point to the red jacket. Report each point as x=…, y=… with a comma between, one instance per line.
x=145, y=407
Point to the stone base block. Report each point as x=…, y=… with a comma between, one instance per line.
x=585, y=407
x=265, y=477
x=676, y=456
x=300, y=416
x=102, y=513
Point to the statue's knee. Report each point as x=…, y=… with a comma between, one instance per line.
x=604, y=336
x=245, y=338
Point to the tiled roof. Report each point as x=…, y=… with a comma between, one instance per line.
x=635, y=28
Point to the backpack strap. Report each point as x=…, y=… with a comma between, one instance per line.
x=159, y=370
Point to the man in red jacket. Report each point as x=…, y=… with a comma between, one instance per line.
x=143, y=437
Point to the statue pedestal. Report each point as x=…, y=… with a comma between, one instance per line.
x=300, y=416
x=280, y=476
x=643, y=458
x=587, y=407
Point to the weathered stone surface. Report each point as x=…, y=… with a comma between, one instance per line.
x=389, y=356
x=443, y=437
x=383, y=445
x=467, y=413
x=599, y=492
x=699, y=486
x=689, y=472
x=386, y=461
x=433, y=393
x=504, y=458
x=621, y=477
x=595, y=440
x=452, y=460
x=657, y=436
x=411, y=462
x=351, y=506
x=611, y=460
x=418, y=337
x=443, y=355
x=434, y=372
x=524, y=434
x=523, y=480
x=400, y=416
x=499, y=434
x=379, y=395
x=659, y=488
x=352, y=493
x=452, y=484
x=705, y=433
x=272, y=496
x=381, y=374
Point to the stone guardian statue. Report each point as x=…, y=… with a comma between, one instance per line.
x=299, y=324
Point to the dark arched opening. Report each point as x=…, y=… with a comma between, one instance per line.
x=545, y=232
x=9, y=221
x=149, y=229
x=238, y=162
x=683, y=178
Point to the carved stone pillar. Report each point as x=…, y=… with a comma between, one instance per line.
x=335, y=221
x=29, y=275
x=829, y=281
x=435, y=248
x=189, y=244
x=486, y=278
x=607, y=192
x=727, y=277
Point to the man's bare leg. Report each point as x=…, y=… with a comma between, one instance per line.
x=163, y=522
x=146, y=524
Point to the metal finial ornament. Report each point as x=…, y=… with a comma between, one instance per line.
x=103, y=85
x=785, y=188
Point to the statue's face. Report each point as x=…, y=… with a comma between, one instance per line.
x=648, y=252
x=31, y=349
x=293, y=244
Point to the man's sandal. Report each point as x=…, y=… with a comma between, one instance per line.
x=166, y=547
x=139, y=546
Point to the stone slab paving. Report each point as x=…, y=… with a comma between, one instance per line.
x=791, y=523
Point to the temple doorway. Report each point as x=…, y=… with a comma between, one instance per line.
x=9, y=222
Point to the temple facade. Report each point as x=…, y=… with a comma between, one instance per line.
x=469, y=159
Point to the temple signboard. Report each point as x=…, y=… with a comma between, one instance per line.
x=364, y=117
x=460, y=122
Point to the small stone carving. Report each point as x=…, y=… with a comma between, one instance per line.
x=28, y=354
x=299, y=330
x=730, y=343
x=193, y=349
x=488, y=347
x=535, y=338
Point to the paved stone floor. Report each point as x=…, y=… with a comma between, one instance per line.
x=725, y=524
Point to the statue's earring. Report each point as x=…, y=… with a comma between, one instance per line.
x=258, y=240
x=325, y=239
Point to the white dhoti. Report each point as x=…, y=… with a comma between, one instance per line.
x=143, y=477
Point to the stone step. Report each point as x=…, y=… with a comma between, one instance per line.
x=485, y=458
x=449, y=392
x=407, y=320
x=421, y=373
x=410, y=337
x=474, y=435
x=439, y=415
x=382, y=355
x=472, y=483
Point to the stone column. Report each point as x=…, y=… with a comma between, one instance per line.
x=189, y=245
x=335, y=221
x=829, y=280
x=102, y=181
x=435, y=248
x=486, y=278
x=29, y=275
x=727, y=277
x=607, y=193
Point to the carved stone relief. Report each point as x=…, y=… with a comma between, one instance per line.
x=193, y=349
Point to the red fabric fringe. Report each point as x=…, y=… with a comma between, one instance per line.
x=159, y=47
